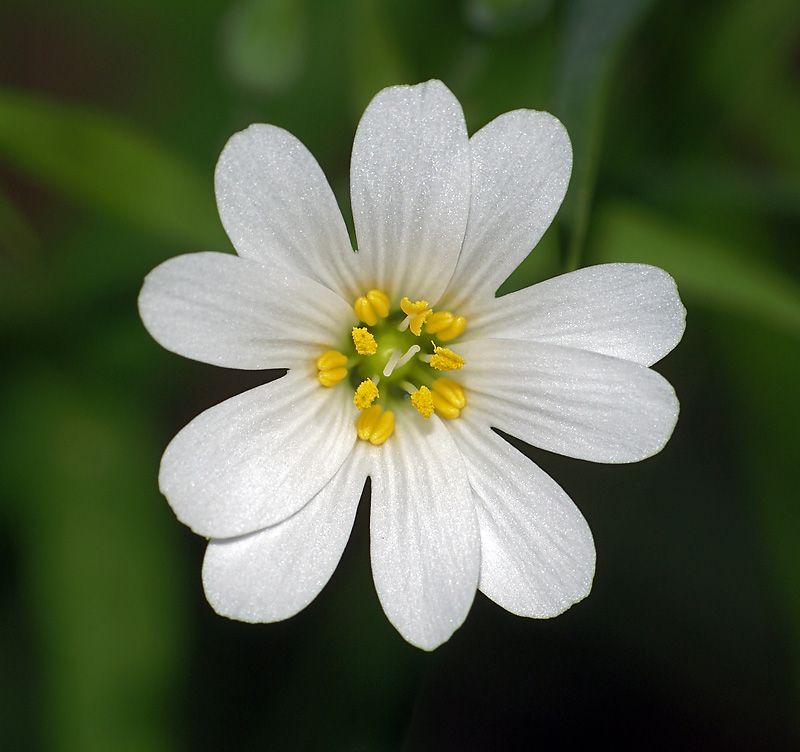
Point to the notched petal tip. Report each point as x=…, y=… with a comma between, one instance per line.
x=409, y=187
x=424, y=539
x=272, y=574
x=521, y=161
x=256, y=459
x=537, y=551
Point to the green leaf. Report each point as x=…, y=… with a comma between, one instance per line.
x=750, y=67
x=265, y=43
x=106, y=165
x=593, y=37
x=376, y=62
x=504, y=16
x=709, y=185
x=18, y=241
x=98, y=564
x=706, y=269
x=767, y=416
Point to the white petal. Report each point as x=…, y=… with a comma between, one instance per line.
x=521, y=163
x=221, y=309
x=278, y=208
x=574, y=402
x=537, y=552
x=630, y=311
x=425, y=545
x=409, y=183
x=274, y=573
x=257, y=458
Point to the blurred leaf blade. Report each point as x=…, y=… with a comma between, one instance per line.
x=766, y=381
x=98, y=564
x=594, y=32
x=376, y=61
x=18, y=239
x=504, y=16
x=106, y=165
x=265, y=42
x=706, y=269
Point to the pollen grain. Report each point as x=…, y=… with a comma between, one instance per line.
x=364, y=341
x=444, y=359
x=422, y=400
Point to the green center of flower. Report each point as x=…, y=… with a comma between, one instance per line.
x=389, y=363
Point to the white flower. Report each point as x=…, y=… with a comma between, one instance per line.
x=273, y=476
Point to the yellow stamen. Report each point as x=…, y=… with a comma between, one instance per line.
x=445, y=325
x=410, y=308
x=451, y=332
x=331, y=359
x=365, y=395
x=367, y=421
x=448, y=398
x=438, y=321
x=332, y=377
x=368, y=307
x=364, y=341
x=375, y=426
x=451, y=391
x=444, y=359
x=423, y=401
x=415, y=322
x=331, y=367
x=380, y=302
x=417, y=314
x=444, y=408
x=364, y=311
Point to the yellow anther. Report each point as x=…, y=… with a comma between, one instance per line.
x=417, y=313
x=451, y=332
x=364, y=311
x=332, y=377
x=367, y=422
x=445, y=325
x=380, y=302
x=451, y=391
x=438, y=321
x=445, y=360
x=368, y=307
x=416, y=321
x=364, y=341
x=331, y=367
x=422, y=399
x=331, y=359
x=365, y=395
x=410, y=308
x=384, y=429
x=444, y=408
x=448, y=398
x=375, y=426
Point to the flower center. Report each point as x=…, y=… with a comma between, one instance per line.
x=390, y=364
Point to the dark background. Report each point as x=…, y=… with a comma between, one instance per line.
x=685, y=123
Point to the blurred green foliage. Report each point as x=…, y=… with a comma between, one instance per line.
x=684, y=119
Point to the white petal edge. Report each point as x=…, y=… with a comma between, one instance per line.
x=274, y=573
x=537, y=551
x=629, y=311
x=256, y=459
x=521, y=165
x=574, y=402
x=424, y=539
x=278, y=209
x=221, y=309
x=409, y=183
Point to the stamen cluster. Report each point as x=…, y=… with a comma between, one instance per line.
x=389, y=363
